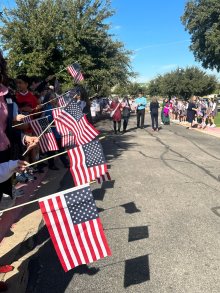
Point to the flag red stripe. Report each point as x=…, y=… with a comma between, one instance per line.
x=60, y=231
x=96, y=239
x=79, y=236
x=89, y=242
x=52, y=235
x=69, y=233
x=104, y=240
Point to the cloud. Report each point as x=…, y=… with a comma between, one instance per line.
x=161, y=45
x=168, y=66
x=116, y=27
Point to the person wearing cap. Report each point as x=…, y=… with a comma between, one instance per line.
x=141, y=103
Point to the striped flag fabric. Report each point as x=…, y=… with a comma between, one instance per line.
x=47, y=141
x=61, y=101
x=67, y=138
x=87, y=162
x=75, y=71
x=74, y=226
x=73, y=118
x=27, y=119
x=103, y=178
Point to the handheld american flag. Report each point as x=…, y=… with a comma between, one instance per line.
x=75, y=228
x=87, y=162
x=47, y=141
x=67, y=138
x=27, y=119
x=103, y=178
x=73, y=118
x=75, y=72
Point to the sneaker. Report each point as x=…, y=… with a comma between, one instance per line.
x=161, y=123
x=20, y=177
x=208, y=125
x=213, y=125
x=17, y=192
x=6, y=202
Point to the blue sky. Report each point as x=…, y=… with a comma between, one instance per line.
x=152, y=29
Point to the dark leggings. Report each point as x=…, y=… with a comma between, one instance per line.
x=115, y=125
x=6, y=186
x=154, y=118
x=125, y=123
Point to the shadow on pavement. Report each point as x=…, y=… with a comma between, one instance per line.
x=136, y=271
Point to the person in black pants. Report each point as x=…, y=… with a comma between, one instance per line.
x=141, y=103
x=154, y=106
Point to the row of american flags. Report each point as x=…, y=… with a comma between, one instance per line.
x=71, y=215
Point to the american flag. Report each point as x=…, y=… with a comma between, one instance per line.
x=75, y=72
x=65, y=99
x=73, y=118
x=67, y=138
x=27, y=119
x=62, y=102
x=47, y=141
x=87, y=162
x=75, y=228
x=103, y=178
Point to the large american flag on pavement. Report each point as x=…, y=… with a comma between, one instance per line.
x=87, y=162
x=67, y=138
x=75, y=71
x=75, y=228
x=73, y=118
x=47, y=141
x=103, y=178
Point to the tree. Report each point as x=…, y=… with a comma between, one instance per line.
x=44, y=36
x=130, y=88
x=183, y=83
x=201, y=19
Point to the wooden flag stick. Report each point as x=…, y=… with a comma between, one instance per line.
x=27, y=203
x=40, y=136
x=36, y=114
x=56, y=155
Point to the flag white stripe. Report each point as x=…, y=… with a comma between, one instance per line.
x=99, y=238
x=55, y=231
x=73, y=232
x=92, y=240
x=63, y=227
x=85, y=243
x=74, y=167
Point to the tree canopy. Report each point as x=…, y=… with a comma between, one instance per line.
x=201, y=19
x=44, y=36
x=183, y=83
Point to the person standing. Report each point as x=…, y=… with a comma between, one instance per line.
x=154, y=106
x=126, y=110
x=141, y=103
x=191, y=111
x=116, y=114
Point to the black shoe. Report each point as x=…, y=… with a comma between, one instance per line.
x=55, y=168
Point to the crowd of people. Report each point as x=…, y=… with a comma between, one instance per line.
x=199, y=112
x=19, y=98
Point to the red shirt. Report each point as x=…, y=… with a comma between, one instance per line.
x=26, y=100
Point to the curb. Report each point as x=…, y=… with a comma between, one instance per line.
x=10, y=217
x=199, y=130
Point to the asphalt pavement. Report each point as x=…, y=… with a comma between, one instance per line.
x=160, y=212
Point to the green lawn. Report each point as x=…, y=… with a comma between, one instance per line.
x=217, y=120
